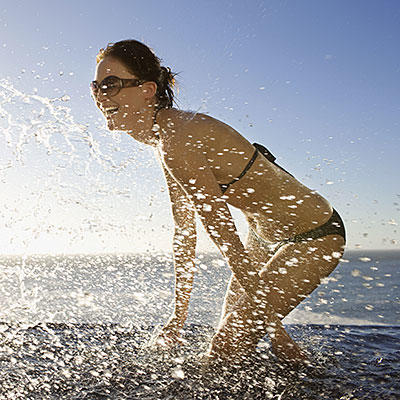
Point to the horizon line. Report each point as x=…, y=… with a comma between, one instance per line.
x=158, y=252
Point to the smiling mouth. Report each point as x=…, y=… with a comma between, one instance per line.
x=110, y=111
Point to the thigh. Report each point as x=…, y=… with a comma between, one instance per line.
x=296, y=270
x=290, y=275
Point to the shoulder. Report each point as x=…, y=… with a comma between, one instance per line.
x=174, y=118
x=178, y=129
x=180, y=141
x=188, y=128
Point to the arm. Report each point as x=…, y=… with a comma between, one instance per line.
x=189, y=169
x=184, y=246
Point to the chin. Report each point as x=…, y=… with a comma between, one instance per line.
x=110, y=125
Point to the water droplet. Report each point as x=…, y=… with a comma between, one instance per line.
x=178, y=373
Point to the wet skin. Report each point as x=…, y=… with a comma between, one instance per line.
x=197, y=153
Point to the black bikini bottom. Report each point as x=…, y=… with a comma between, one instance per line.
x=334, y=226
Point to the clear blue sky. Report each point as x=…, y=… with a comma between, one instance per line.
x=317, y=82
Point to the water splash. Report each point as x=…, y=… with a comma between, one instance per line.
x=27, y=119
x=51, y=162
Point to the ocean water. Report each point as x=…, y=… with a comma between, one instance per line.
x=76, y=327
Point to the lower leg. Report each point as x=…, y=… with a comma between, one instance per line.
x=290, y=275
x=234, y=339
x=243, y=327
x=260, y=255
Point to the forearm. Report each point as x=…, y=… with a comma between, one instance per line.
x=190, y=170
x=184, y=247
x=220, y=225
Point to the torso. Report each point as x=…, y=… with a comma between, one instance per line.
x=276, y=204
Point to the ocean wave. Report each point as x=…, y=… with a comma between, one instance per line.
x=299, y=316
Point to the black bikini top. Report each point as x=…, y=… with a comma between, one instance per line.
x=259, y=148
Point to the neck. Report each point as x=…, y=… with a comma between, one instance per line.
x=145, y=129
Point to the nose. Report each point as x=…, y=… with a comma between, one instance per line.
x=97, y=93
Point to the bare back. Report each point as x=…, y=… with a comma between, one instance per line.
x=277, y=203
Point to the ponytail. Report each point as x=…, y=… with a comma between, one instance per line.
x=165, y=86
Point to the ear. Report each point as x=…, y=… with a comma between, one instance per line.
x=149, y=89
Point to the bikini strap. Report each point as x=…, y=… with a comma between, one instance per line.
x=269, y=156
x=265, y=152
x=225, y=186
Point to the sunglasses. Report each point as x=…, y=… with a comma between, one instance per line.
x=111, y=85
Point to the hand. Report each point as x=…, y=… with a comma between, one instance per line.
x=170, y=334
x=287, y=349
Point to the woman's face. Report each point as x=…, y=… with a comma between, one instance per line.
x=124, y=110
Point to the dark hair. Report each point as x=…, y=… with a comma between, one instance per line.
x=145, y=65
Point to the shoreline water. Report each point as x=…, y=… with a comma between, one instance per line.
x=81, y=324
x=90, y=288
x=97, y=362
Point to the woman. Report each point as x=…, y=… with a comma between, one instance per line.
x=208, y=165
